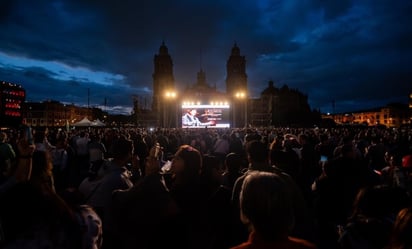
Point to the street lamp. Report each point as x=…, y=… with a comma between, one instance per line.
x=242, y=96
x=169, y=96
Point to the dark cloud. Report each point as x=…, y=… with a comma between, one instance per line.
x=333, y=9
x=355, y=53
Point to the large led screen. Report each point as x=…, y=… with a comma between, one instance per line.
x=202, y=116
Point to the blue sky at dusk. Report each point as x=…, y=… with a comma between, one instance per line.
x=356, y=53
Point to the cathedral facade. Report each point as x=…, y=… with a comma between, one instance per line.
x=203, y=105
x=215, y=108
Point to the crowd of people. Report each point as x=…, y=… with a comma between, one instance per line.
x=103, y=188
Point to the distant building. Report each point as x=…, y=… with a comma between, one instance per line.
x=275, y=106
x=233, y=108
x=392, y=115
x=410, y=101
x=282, y=107
x=163, y=85
x=237, y=88
x=11, y=98
x=52, y=113
x=168, y=104
x=142, y=116
x=201, y=94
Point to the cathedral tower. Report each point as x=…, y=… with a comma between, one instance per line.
x=236, y=87
x=163, y=79
x=236, y=79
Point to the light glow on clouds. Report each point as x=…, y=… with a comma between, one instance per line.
x=61, y=71
x=116, y=109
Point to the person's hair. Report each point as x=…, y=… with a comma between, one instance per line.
x=42, y=170
x=3, y=137
x=42, y=164
x=257, y=151
x=401, y=234
x=233, y=162
x=276, y=144
x=266, y=203
x=192, y=160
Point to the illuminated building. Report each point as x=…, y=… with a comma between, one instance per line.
x=234, y=108
x=11, y=98
x=163, y=81
x=237, y=88
x=392, y=115
x=168, y=104
x=52, y=113
x=212, y=106
x=410, y=101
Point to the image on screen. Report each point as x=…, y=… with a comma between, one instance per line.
x=202, y=116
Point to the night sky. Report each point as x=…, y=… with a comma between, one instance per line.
x=357, y=54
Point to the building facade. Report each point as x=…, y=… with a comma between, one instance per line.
x=391, y=116
x=52, y=113
x=202, y=96
x=168, y=103
x=12, y=96
x=410, y=101
x=237, y=87
x=282, y=107
x=163, y=86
